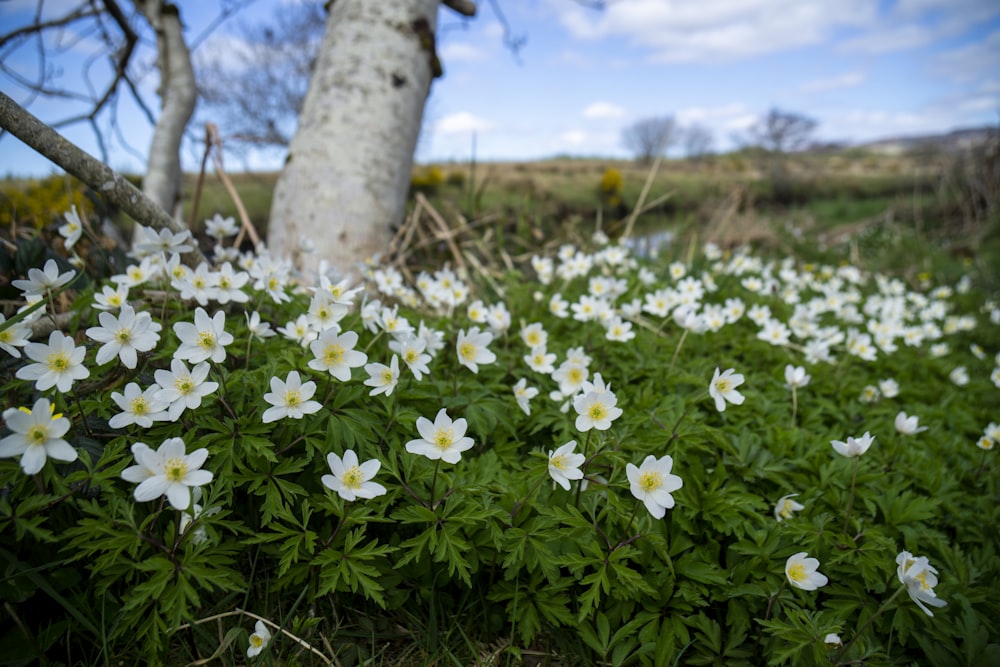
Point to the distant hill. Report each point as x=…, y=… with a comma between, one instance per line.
x=949, y=142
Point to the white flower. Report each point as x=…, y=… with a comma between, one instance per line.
x=256, y=327
x=203, y=340
x=472, y=350
x=383, y=378
x=869, y=394
x=181, y=389
x=854, y=446
x=37, y=435
x=920, y=578
x=259, y=639
x=290, y=398
x=350, y=479
x=785, y=506
x=795, y=376
x=908, y=425
x=540, y=360
x=596, y=409
x=523, y=395
x=833, y=639
x=14, y=336
x=164, y=241
x=564, y=464
x=59, y=363
x=959, y=376
x=124, y=336
x=889, y=388
x=229, y=285
x=73, y=228
x=412, y=349
x=167, y=471
x=335, y=354
x=443, y=439
x=723, y=388
x=139, y=407
x=652, y=483
x=200, y=285
x=111, y=298
x=534, y=335
x=219, y=228
x=570, y=377
x=802, y=572
x=42, y=281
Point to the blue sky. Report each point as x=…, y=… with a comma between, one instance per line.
x=864, y=69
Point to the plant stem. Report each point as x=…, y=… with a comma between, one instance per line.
x=677, y=350
x=795, y=405
x=864, y=627
x=850, y=499
x=774, y=598
x=437, y=464
x=586, y=461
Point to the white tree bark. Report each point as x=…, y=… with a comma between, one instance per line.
x=344, y=184
x=178, y=93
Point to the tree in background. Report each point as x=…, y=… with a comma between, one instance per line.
x=777, y=134
x=649, y=138
x=259, y=88
x=780, y=132
x=345, y=180
x=92, y=95
x=697, y=141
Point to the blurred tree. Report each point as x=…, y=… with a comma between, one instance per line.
x=697, y=140
x=649, y=138
x=782, y=131
x=259, y=84
x=107, y=74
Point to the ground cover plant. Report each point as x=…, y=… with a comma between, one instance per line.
x=704, y=458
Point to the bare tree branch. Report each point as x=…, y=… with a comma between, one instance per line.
x=463, y=7
x=100, y=177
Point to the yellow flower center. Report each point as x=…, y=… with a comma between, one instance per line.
x=387, y=376
x=723, y=385
x=597, y=412
x=6, y=336
x=256, y=641
x=443, y=438
x=224, y=282
x=184, y=384
x=353, y=477
x=333, y=354
x=206, y=340
x=115, y=299
x=38, y=434
x=139, y=406
x=198, y=282
x=650, y=481
x=786, y=509
x=558, y=462
x=467, y=351
x=59, y=362
x=534, y=338
x=922, y=578
x=797, y=572
x=575, y=375
x=410, y=357
x=175, y=469
x=123, y=335
x=292, y=398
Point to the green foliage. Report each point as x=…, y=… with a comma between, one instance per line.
x=489, y=555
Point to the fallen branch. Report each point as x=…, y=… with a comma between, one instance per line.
x=97, y=175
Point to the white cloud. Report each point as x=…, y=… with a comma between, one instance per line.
x=973, y=61
x=462, y=122
x=460, y=51
x=603, y=110
x=728, y=118
x=718, y=30
x=846, y=80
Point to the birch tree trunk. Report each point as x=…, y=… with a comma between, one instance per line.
x=179, y=93
x=344, y=184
